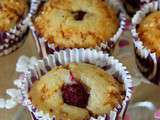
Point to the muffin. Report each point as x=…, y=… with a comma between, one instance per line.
x=145, y=32
x=149, y=32
x=12, y=13
x=78, y=84
x=63, y=24
x=71, y=92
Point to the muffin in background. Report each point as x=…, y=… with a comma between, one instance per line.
x=149, y=32
x=12, y=26
x=146, y=38
x=76, y=24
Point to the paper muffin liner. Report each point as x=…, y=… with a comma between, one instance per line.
x=32, y=69
x=132, y=6
x=45, y=47
x=143, y=2
x=148, y=62
x=34, y=6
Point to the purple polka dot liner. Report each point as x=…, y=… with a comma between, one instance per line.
x=45, y=47
x=148, y=62
x=32, y=69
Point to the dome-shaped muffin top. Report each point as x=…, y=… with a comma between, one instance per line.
x=76, y=23
x=149, y=31
x=76, y=92
x=11, y=12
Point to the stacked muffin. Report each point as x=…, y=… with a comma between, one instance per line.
x=76, y=82
x=76, y=91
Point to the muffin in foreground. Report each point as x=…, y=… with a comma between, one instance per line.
x=146, y=36
x=12, y=12
x=78, y=84
x=63, y=24
x=76, y=92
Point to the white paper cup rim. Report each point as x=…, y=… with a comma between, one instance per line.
x=68, y=56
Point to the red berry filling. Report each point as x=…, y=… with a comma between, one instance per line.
x=75, y=94
x=79, y=15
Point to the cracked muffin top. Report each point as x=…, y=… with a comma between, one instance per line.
x=76, y=91
x=76, y=23
x=11, y=12
x=149, y=32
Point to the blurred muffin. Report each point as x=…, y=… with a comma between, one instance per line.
x=145, y=33
x=11, y=13
x=76, y=23
x=149, y=32
x=76, y=92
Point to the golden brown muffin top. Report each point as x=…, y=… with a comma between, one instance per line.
x=104, y=92
x=76, y=23
x=11, y=11
x=149, y=31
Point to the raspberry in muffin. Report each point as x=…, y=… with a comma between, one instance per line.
x=76, y=23
x=149, y=32
x=76, y=92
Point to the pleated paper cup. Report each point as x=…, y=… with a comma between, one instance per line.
x=32, y=69
x=148, y=62
x=45, y=47
x=132, y=6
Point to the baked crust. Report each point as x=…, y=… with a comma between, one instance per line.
x=105, y=92
x=149, y=32
x=11, y=11
x=76, y=23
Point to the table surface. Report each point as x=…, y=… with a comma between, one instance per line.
x=143, y=92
